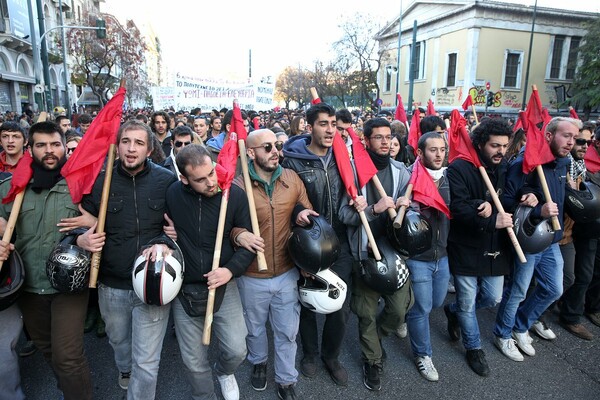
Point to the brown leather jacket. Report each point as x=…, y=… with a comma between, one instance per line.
x=275, y=219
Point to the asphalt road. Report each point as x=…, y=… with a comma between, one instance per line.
x=566, y=368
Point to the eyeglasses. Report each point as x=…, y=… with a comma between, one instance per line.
x=179, y=144
x=380, y=138
x=581, y=142
x=71, y=149
x=269, y=146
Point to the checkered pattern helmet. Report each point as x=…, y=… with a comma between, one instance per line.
x=387, y=275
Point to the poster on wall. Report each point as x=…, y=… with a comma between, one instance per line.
x=19, y=18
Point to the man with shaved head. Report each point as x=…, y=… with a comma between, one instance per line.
x=281, y=201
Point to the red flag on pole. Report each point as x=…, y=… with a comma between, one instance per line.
x=467, y=103
x=592, y=159
x=400, y=112
x=415, y=132
x=459, y=142
x=365, y=169
x=256, y=122
x=537, y=150
x=20, y=178
x=521, y=122
x=342, y=159
x=237, y=123
x=226, y=163
x=573, y=113
x=430, y=108
x=84, y=165
x=424, y=190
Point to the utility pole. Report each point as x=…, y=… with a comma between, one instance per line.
x=529, y=56
x=65, y=65
x=37, y=63
x=398, y=56
x=411, y=71
x=44, y=55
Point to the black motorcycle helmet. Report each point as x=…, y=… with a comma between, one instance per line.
x=12, y=277
x=413, y=237
x=68, y=266
x=387, y=275
x=314, y=247
x=533, y=235
x=583, y=205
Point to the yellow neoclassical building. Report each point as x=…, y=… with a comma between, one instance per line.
x=462, y=46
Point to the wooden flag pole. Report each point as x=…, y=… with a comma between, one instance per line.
x=402, y=210
x=500, y=208
x=208, y=319
x=475, y=114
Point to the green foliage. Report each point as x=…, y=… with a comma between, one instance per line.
x=586, y=85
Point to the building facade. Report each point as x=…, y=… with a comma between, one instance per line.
x=464, y=46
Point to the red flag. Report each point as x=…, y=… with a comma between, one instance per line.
x=20, y=178
x=459, y=142
x=315, y=101
x=365, y=169
x=592, y=159
x=400, y=113
x=226, y=163
x=84, y=165
x=468, y=103
x=342, y=159
x=521, y=122
x=237, y=123
x=573, y=113
x=537, y=150
x=430, y=109
x=256, y=121
x=424, y=190
x=415, y=132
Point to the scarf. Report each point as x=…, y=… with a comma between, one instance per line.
x=380, y=162
x=45, y=179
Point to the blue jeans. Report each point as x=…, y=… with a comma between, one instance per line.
x=229, y=331
x=11, y=324
x=276, y=300
x=514, y=315
x=430, y=285
x=135, y=331
x=474, y=293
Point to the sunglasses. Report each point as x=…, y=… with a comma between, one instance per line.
x=179, y=144
x=269, y=146
x=581, y=142
x=70, y=149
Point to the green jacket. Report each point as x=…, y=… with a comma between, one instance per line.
x=36, y=231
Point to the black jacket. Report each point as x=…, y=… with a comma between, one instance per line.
x=323, y=186
x=196, y=218
x=475, y=246
x=134, y=216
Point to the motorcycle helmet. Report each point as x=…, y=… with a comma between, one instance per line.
x=387, y=275
x=324, y=294
x=413, y=237
x=583, y=205
x=533, y=236
x=158, y=282
x=12, y=277
x=68, y=266
x=314, y=247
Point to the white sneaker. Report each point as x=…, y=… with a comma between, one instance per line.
x=523, y=341
x=508, y=348
x=229, y=387
x=426, y=368
x=542, y=330
x=402, y=331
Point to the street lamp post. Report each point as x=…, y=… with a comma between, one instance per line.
x=64, y=55
x=44, y=55
x=399, y=45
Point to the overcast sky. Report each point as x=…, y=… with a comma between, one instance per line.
x=213, y=38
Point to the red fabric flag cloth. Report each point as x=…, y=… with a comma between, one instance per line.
x=468, y=103
x=227, y=163
x=521, y=122
x=430, y=108
x=424, y=190
x=315, y=101
x=414, y=132
x=365, y=169
x=459, y=142
x=573, y=113
x=342, y=159
x=84, y=165
x=537, y=150
x=20, y=178
x=592, y=159
x=237, y=123
x=400, y=112
x=255, y=122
